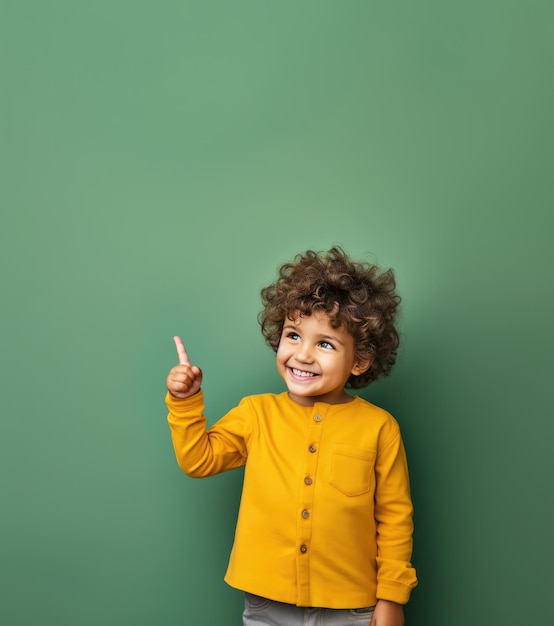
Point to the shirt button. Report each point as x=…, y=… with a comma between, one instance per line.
x=308, y=480
x=317, y=418
x=303, y=548
x=305, y=514
x=312, y=448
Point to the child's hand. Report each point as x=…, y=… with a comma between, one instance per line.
x=183, y=380
x=387, y=614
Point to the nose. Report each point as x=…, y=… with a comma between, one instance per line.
x=304, y=353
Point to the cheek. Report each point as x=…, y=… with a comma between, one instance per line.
x=281, y=353
x=343, y=367
x=280, y=363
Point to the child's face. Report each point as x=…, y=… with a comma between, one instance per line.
x=316, y=360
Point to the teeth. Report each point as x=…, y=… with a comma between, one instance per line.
x=302, y=373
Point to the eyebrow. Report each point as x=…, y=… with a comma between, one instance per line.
x=331, y=338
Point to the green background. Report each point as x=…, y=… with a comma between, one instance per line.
x=159, y=160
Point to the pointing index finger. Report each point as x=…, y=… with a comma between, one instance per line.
x=181, y=352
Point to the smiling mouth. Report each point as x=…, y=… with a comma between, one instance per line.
x=302, y=373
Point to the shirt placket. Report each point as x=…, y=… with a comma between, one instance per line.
x=305, y=510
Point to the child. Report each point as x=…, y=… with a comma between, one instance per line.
x=324, y=530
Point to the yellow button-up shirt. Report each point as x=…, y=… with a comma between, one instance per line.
x=325, y=518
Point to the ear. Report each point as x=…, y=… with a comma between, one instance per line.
x=361, y=366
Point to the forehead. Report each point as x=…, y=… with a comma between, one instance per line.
x=318, y=321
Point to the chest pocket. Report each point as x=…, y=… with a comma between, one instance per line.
x=351, y=470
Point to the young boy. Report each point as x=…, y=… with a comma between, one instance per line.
x=324, y=532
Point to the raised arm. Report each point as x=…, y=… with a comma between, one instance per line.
x=200, y=451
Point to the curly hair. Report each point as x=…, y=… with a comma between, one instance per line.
x=359, y=296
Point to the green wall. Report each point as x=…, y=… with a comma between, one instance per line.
x=159, y=160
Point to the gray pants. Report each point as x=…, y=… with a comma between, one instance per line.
x=260, y=611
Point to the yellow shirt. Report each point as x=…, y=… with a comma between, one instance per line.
x=325, y=517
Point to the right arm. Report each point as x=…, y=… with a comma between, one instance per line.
x=202, y=452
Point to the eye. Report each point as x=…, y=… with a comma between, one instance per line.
x=293, y=336
x=327, y=345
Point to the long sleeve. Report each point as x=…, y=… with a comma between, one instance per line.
x=204, y=452
x=393, y=516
